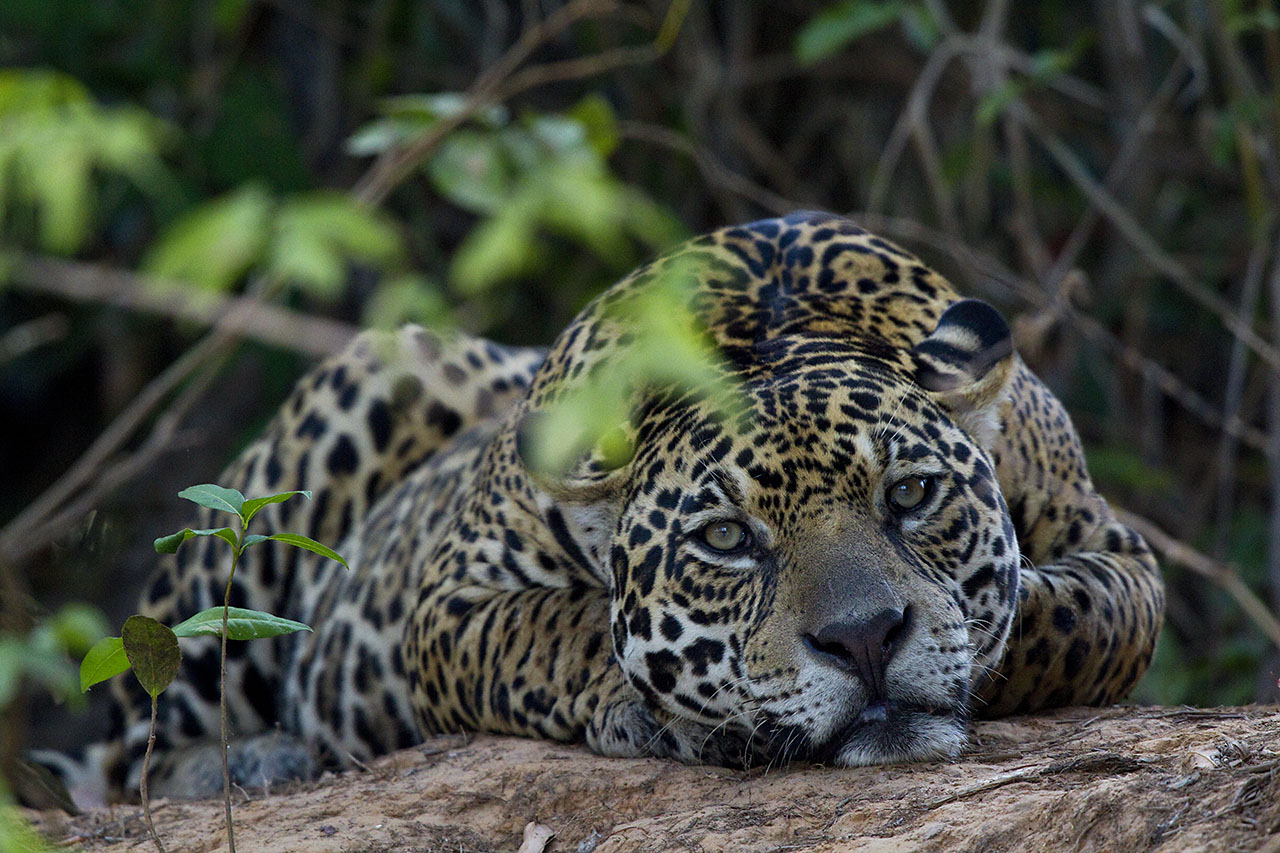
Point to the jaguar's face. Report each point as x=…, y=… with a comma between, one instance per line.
x=829, y=579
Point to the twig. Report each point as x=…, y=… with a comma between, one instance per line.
x=914, y=115
x=16, y=543
x=245, y=316
x=146, y=768
x=1132, y=147
x=990, y=271
x=1228, y=445
x=495, y=84
x=164, y=438
x=1168, y=383
x=1108, y=763
x=917, y=101
x=33, y=334
x=931, y=161
x=32, y=528
x=1142, y=241
x=1022, y=774
x=1222, y=574
x=987, y=269
x=714, y=172
x=573, y=69
x=1273, y=403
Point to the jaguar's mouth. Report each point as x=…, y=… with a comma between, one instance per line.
x=881, y=733
x=890, y=733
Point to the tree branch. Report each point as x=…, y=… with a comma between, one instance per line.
x=1222, y=574
x=245, y=316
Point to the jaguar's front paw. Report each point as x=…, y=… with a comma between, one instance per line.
x=195, y=772
x=631, y=728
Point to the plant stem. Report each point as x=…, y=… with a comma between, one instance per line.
x=222, y=694
x=146, y=768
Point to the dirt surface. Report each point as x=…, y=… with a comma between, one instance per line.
x=1121, y=779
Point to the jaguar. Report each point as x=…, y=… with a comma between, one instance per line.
x=891, y=532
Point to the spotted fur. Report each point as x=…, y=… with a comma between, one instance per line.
x=587, y=603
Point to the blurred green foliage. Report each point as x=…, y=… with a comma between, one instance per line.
x=666, y=349
x=529, y=181
x=55, y=144
x=43, y=657
x=836, y=27
x=43, y=654
x=307, y=240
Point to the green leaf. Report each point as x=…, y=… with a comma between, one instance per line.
x=63, y=193
x=214, y=497
x=407, y=298
x=1045, y=65
x=317, y=234
x=430, y=108
x=669, y=349
x=596, y=116
x=170, y=544
x=309, y=545
x=28, y=658
x=73, y=629
x=11, y=667
x=23, y=90
x=650, y=222
x=376, y=137
x=407, y=117
x=152, y=649
x=497, y=249
x=55, y=144
x=105, y=660
x=242, y=624
x=587, y=206
x=250, y=507
x=833, y=28
x=995, y=102
x=16, y=833
x=560, y=136
x=214, y=245
x=473, y=170
x=229, y=15
x=920, y=28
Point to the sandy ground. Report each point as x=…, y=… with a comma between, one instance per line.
x=1120, y=779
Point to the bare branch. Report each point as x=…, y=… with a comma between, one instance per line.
x=1154, y=254
x=713, y=172
x=988, y=271
x=573, y=69
x=32, y=529
x=1223, y=574
x=501, y=81
x=245, y=316
x=33, y=334
x=1228, y=444
x=17, y=540
x=913, y=113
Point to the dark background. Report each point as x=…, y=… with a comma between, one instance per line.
x=1105, y=172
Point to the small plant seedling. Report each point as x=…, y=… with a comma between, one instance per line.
x=151, y=648
x=152, y=651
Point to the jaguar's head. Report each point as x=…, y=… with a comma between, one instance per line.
x=830, y=570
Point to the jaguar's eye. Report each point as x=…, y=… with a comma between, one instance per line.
x=909, y=492
x=725, y=536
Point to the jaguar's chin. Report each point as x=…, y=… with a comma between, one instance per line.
x=885, y=734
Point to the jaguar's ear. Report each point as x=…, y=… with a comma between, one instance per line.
x=589, y=473
x=967, y=364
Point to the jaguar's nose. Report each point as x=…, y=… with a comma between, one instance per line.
x=862, y=647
